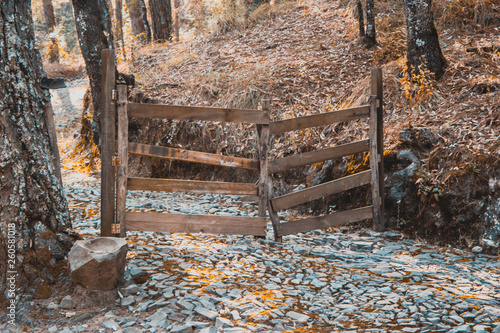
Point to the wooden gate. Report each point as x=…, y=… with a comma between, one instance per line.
x=115, y=148
x=374, y=176
x=123, y=221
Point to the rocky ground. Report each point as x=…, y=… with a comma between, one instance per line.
x=337, y=280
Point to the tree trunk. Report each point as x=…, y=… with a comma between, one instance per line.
x=361, y=18
x=135, y=13
x=422, y=38
x=370, y=39
x=177, y=20
x=93, y=24
x=119, y=26
x=144, y=12
x=161, y=14
x=50, y=22
x=33, y=209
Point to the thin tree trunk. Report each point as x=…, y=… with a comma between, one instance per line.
x=50, y=21
x=147, y=27
x=119, y=26
x=361, y=18
x=161, y=14
x=422, y=38
x=370, y=39
x=93, y=24
x=33, y=209
x=135, y=13
x=177, y=21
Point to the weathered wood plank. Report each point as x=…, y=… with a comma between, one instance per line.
x=295, y=161
x=327, y=221
x=197, y=113
x=122, y=158
x=275, y=220
x=322, y=190
x=321, y=119
x=377, y=90
x=51, y=129
x=193, y=156
x=263, y=142
x=108, y=116
x=211, y=224
x=191, y=186
x=374, y=165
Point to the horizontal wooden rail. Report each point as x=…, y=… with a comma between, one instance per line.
x=211, y=224
x=192, y=156
x=295, y=161
x=321, y=119
x=327, y=221
x=190, y=186
x=197, y=113
x=322, y=190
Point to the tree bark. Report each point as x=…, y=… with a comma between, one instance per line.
x=50, y=22
x=361, y=18
x=33, y=209
x=144, y=12
x=177, y=20
x=370, y=38
x=161, y=14
x=93, y=24
x=422, y=38
x=137, y=22
x=119, y=26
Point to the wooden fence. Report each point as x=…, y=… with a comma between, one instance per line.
x=115, y=148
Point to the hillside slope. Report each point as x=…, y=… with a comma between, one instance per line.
x=307, y=58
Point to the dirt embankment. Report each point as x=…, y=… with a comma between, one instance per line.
x=441, y=138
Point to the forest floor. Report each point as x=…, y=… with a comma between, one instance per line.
x=307, y=59
x=336, y=280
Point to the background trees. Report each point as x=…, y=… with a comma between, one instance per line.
x=31, y=198
x=422, y=38
x=139, y=23
x=93, y=24
x=50, y=21
x=161, y=15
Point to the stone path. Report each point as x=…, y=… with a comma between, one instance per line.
x=338, y=280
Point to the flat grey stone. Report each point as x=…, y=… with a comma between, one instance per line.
x=210, y=329
x=222, y=322
x=186, y=305
x=460, y=329
x=160, y=276
x=206, y=313
x=52, y=329
x=302, y=318
x=126, y=301
x=66, y=303
x=235, y=314
x=157, y=318
x=136, y=271
x=111, y=324
x=130, y=290
x=132, y=330
x=181, y=329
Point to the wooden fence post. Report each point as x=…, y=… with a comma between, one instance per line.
x=122, y=160
x=263, y=141
x=107, y=141
x=377, y=90
x=374, y=166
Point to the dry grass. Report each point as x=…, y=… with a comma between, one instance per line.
x=306, y=59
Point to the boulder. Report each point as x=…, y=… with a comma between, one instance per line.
x=98, y=263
